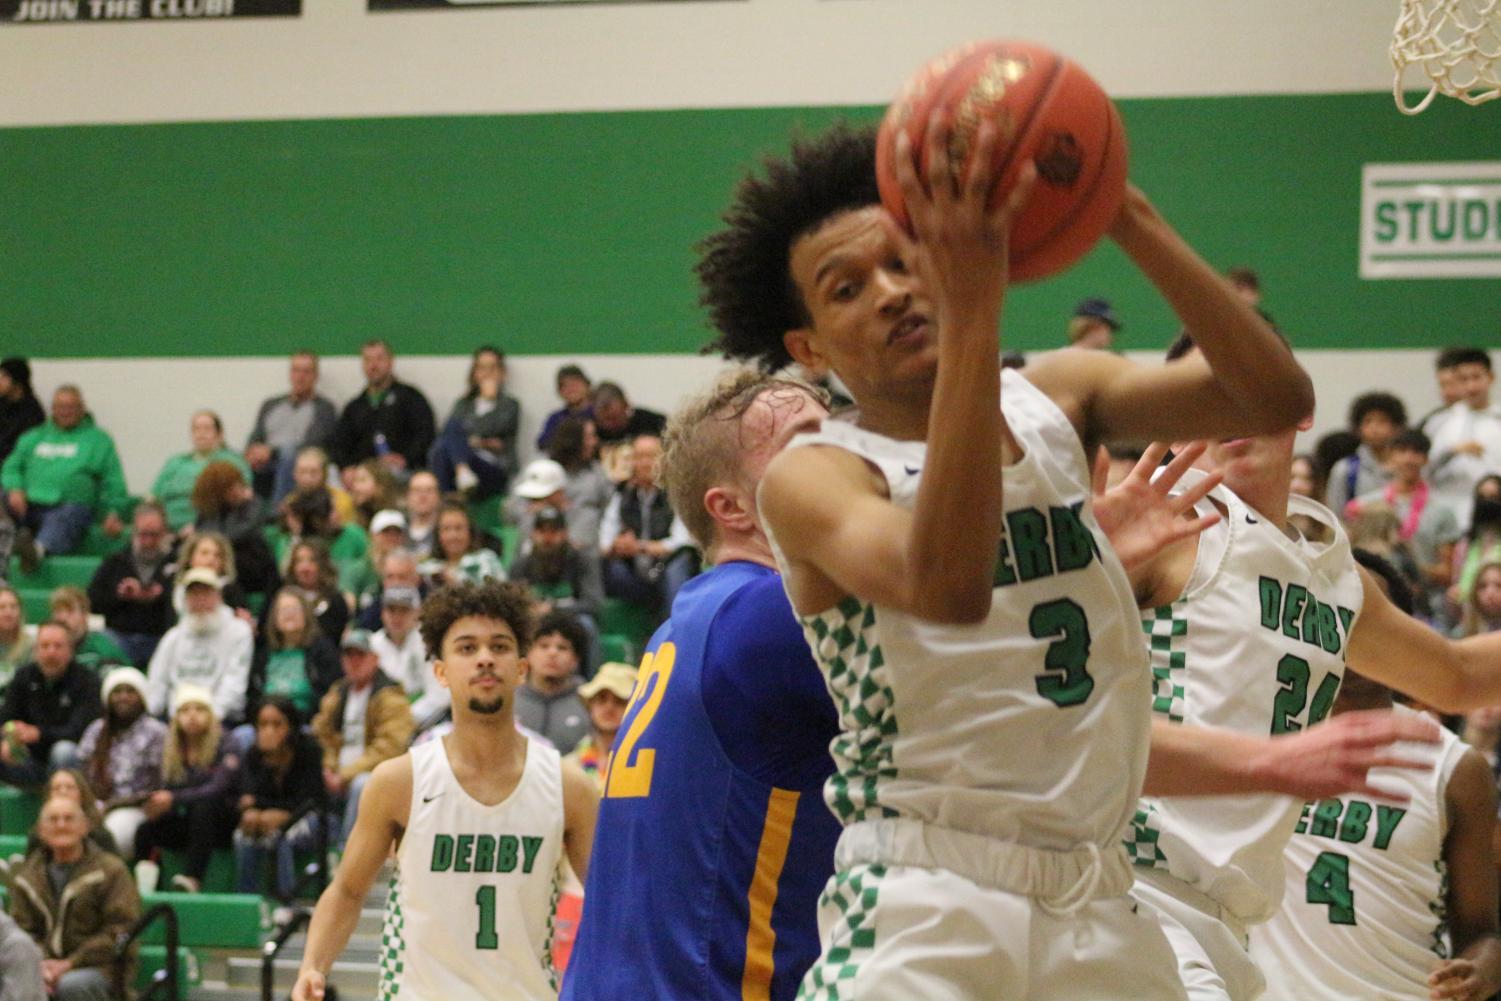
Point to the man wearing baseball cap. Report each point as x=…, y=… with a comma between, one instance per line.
x=209, y=646
x=1094, y=325
x=605, y=696
x=403, y=657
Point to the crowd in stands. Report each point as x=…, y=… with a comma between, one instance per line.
x=245, y=646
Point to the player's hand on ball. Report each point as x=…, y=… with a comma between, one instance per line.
x=309, y=986
x=1336, y=756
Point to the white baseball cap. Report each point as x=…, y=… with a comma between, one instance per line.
x=389, y=518
x=541, y=478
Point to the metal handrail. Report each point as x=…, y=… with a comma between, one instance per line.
x=273, y=947
x=165, y=978
x=320, y=869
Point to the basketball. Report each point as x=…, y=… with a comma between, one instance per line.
x=1048, y=110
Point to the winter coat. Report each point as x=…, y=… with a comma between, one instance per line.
x=388, y=726
x=80, y=925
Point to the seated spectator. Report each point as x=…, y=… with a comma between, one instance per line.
x=399, y=569
x=210, y=646
x=193, y=810
x=15, y=641
x=390, y=420
x=476, y=451
x=280, y=775
x=363, y=720
x=648, y=552
x=226, y=504
x=388, y=531
x=423, y=501
x=121, y=753
x=373, y=489
x=403, y=657
x=75, y=901
x=311, y=472
x=549, y=704
x=461, y=556
x=173, y=487
x=573, y=390
x=1467, y=437
x=1450, y=388
x=1093, y=326
x=132, y=589
x=618, y=424
x=61, y=476
x=605, y=697
x=1329, y=450
x=20, y=963
x=1482, y=612
x=1480, y=545
x=313, y=576
x=295, y=660
x=1304, y=482
x=20, y=410
x=543, y=483
x=70, y=783
x=559, y=574
x=309, y=515
x=286, y=424
x=1428, y=524
x=575, y=447
x=91, y=648
x=1375, y=419
x=211, y=551
x=47, y=706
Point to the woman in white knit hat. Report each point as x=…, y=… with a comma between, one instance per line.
x=193, y=811
x=121, y=754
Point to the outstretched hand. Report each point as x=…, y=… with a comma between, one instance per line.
x=1336, y=756
x=1142, y=516
x=1461, y=978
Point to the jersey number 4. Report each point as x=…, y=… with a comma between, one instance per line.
x=1329, y=883
x=630, y=768
x=1067, y=681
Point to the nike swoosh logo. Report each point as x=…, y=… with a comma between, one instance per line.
x=1251, y=521
x=429, y=799
x=912, y=470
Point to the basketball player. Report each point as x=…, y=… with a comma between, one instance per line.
x=479, y=821
x=1390, y=900
x=1251, y=625
x=718, y=843
x=989, y=692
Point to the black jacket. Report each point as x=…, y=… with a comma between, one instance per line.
x=60, y=709
x=16, y=419
x=151, y=617
x=323, y=669
x=302, y=782
x=404, y=417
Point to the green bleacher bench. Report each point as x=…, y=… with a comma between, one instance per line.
x=18, y=810
x=625, y=619
x=12, y=844
x=97, y=543
x=212, y=920
x=36, y=603
x=151, y=958
x=55, y=571
x=617, y=648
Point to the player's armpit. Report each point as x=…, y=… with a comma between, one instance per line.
x=843, y=536
x=580, y=813
x=1400, y=652
x=1470, y=857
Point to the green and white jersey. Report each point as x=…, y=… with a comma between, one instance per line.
x=1255, y=644
x=1364, y=915
x=470, y=914
x=1029, y=727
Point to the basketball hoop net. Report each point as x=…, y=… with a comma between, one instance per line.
x=1456, y=44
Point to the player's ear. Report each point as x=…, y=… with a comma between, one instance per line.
x=1306, y=424
x=440, y=671
x=799, y=344
x=727, y=507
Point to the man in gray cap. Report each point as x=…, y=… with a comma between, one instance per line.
x=1093, y=325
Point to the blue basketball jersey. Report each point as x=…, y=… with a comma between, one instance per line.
x=713, y=841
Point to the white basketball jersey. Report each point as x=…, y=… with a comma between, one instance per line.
x=470, y=913
x=1255, y=644
x=1364, y=915
x=1028, y=727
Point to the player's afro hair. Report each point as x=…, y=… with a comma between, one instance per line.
x=510, y=603
x=744, y=268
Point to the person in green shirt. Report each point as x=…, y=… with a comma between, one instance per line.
x=293, y=659
x=62, y=475
x=91, y=648
x=174, y=484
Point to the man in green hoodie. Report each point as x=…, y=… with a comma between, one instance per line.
x=61, y=475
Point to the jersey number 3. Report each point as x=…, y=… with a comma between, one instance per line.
x=1067, y=681
x=630, y=768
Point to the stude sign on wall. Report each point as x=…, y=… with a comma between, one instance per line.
x=1430, y=220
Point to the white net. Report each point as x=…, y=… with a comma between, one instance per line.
x=1455, y=44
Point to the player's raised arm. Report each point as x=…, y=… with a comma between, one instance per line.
x=1403, y=653
x=1474, y=972
x=384, y=808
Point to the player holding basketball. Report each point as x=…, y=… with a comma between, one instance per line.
x=1252, y=625
x=1390, y=899
x=990, y=694
x=479, y=820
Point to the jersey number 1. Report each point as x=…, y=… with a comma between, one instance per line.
x=486, y=938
